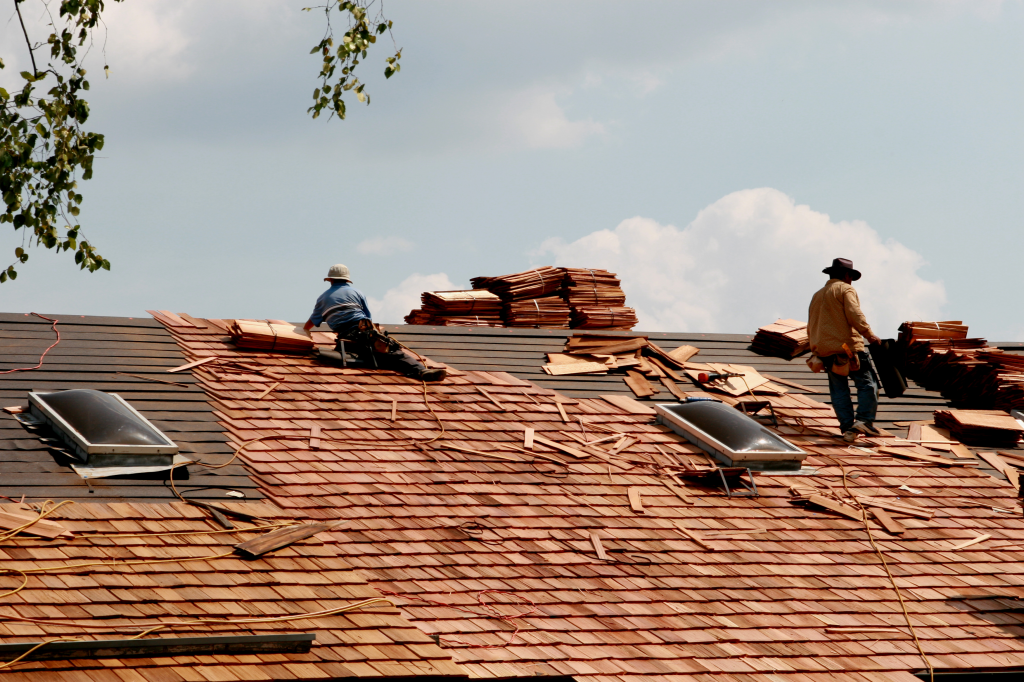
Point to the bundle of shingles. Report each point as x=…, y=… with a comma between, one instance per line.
x=641, y=360
x=782, y=339
x=968, y=372
x=597, y=300
x=531, y=299
x=549, y=312
x=472, y=308
x=548, y=297
x=272, y=335
x=984, y=428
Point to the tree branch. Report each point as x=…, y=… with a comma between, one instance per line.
x=31, y=55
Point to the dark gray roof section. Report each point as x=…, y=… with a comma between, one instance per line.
x=521, y=353
x=90, y=354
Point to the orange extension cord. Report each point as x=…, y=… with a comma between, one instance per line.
x=55, y=331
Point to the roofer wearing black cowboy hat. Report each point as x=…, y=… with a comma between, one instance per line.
x=344, y=309
x=837, y=329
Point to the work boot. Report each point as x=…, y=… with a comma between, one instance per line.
x=433, y=374
x=867, y=428
x=850, y=436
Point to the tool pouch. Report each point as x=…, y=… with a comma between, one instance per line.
x=840, y=365
x=815, y=364
x=370, y=336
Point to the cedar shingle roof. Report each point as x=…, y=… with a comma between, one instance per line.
x=440, y=527
x=449, y=535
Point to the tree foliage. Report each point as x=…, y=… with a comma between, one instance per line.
x=45, y=151
x=337, y=76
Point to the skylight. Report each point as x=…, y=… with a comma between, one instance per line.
x=102, y=429
x=730, y=436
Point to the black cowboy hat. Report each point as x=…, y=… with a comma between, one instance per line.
x=841, y=266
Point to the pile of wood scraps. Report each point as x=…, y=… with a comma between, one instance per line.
x=966, y=371
x=272, y=335
x=985, y=428
x=782, y=339
x=471, y=308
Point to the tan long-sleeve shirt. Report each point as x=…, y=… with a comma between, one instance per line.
x=835, y=318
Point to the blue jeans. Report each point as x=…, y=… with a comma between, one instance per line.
x=867, y=393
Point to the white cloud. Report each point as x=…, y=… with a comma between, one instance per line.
x=747, y=259
x=397, y=302
x=534, y=118
x=383, y=246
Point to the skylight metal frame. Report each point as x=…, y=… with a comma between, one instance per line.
x=110, y=454
x=758, y=460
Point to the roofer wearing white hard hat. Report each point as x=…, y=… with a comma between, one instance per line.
x=344, y=309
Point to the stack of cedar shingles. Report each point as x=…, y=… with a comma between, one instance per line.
x=597, y=300
x=546, y=297
x=984, y=428
x=640, y=360
x=272, y=335
x=531, y=299
x=968, y=372
x=781, y=339
x=549, y=312
x=472, y=308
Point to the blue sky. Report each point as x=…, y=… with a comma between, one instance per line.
x=715, y=154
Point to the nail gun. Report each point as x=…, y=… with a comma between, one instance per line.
x=707, y=377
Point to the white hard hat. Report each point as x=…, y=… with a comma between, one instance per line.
x=338, y=271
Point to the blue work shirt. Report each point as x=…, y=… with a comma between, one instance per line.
x=340, y=306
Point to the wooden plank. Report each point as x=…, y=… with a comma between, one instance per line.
x=838, y=507
x=269, y=389
x=1000, y=465
x=561, y=411
x=195, y=322
x=394, y=410
x=569, y=450
x=595, y=541
x=567, y=369
x=694, y=537
x=683, y=353
x=969, y=543
x=43, y=528
x=787, y=382
x=158, y=381
x=932, y=459
x=635, y=500
x=639, y=384
x=268, y=542
x=891, y=525
x=666, y=370
x=627, y=404
x=623, y=443
x=610, y=349
x=196, y=363
x=314, y=437
x=490, y=397
x=528, y=438
x=907, y=509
